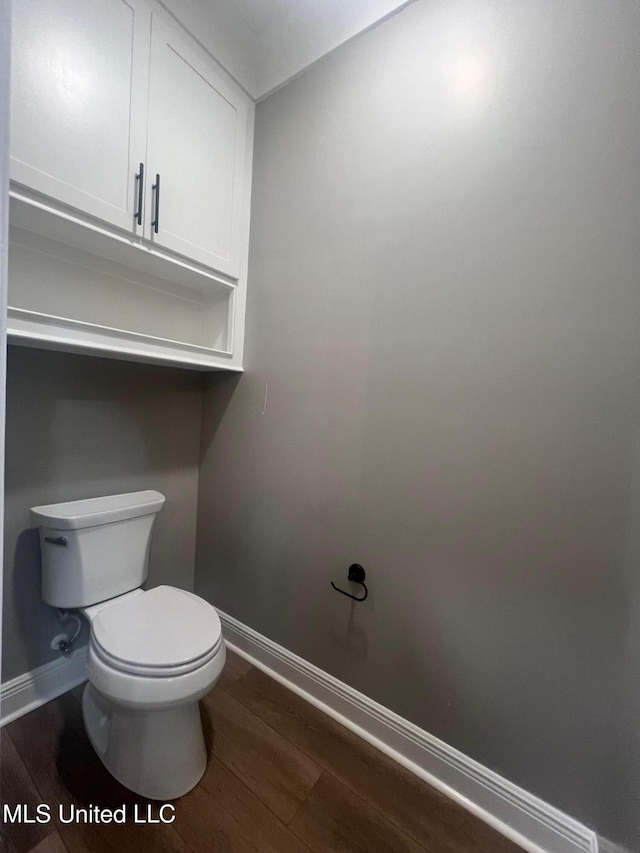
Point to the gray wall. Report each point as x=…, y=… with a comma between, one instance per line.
x=79, y=427
x=442, y=383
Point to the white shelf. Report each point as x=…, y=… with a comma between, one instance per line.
x=67, y=298
x=42, y=331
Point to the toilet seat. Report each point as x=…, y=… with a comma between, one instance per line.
x=133, y=668
x=161, y=633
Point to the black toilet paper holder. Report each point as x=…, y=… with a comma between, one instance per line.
x=356, y=574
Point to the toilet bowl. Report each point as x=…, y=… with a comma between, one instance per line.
x=152, y=654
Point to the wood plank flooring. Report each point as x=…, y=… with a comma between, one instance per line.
x=282, y=778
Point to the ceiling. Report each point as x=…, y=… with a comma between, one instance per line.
x=264, y=43
x=261, y=14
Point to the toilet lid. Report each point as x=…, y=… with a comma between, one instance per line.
x=163, y=631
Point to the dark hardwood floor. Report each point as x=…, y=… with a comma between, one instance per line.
x=282, y=778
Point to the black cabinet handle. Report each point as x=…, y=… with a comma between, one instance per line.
x=156, y=188
x=140, y=181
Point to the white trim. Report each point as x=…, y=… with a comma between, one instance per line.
x=32, y=689
x=5, y=69
x=528, y=821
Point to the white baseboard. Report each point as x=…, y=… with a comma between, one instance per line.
x=32, y=689
x=528, y=821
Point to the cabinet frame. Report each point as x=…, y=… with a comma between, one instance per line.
x=39, y=210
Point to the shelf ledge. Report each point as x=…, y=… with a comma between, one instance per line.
x=40, y=216
x=44, y=331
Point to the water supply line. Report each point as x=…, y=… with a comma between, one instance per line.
x=66, y=646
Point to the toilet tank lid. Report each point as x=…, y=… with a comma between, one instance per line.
x=74, y=515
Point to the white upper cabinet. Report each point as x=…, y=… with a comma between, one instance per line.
x=79, y=103
x=196, y=141
x=105, y=91
x=131, y=155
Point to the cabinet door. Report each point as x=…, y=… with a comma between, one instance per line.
x=78, y=109
x=197, y=144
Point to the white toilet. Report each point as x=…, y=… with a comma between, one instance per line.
x=152, y=654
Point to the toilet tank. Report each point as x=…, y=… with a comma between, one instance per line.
x=95, y=549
